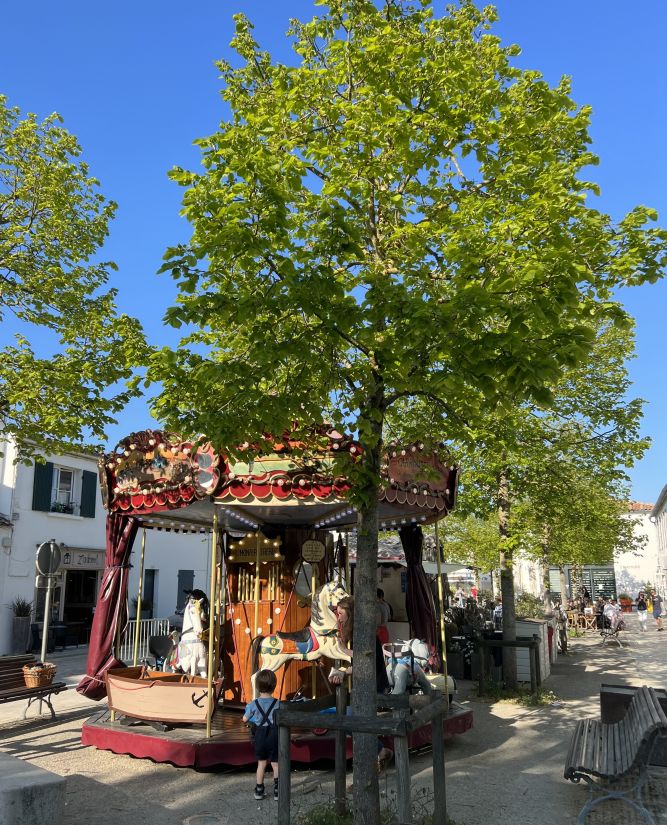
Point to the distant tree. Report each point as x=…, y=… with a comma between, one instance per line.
x=400, y=215
x=53, y=221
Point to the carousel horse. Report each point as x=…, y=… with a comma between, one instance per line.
x=320, y=638
x=191, y=651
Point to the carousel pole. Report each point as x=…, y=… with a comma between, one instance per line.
x=255, y=630
x=313, y=667
x=212, y=622
x=222, y=606
x=443, y=635
x=137, y=627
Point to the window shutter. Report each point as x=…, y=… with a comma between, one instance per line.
x=186, y=580
x=88, y=494
x=41, y=486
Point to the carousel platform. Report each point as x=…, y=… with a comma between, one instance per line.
x=230, y=742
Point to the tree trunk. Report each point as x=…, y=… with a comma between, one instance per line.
x=506, y=579
x=364, y=690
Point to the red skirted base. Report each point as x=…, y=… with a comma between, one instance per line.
x=230, y=743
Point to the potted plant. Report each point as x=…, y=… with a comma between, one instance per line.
x=22, y=610
x=58, y=507
x=625, y=602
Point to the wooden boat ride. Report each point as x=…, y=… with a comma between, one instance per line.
x=152, y=695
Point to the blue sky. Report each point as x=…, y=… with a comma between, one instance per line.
x=136, y=83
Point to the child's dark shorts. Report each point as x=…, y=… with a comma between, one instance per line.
x=266, y=742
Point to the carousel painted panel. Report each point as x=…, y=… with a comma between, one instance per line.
x=284, y=607
x=157, y=696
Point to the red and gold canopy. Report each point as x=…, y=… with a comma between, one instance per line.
x=170, y=482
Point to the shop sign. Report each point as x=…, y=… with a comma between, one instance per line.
x=74, y=559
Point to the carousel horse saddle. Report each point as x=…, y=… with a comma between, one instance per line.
x=302, y=635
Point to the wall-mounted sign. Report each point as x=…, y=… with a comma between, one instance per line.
x=312, y=551
x=82, y=559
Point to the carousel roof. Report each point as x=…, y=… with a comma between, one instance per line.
x=175, y=484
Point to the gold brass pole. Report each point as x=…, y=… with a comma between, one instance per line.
x=313, y=590
x=257, y=557
x=137, y=628
x=212, y=620
x=443, y=635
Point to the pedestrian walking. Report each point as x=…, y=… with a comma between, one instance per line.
x=657, y=608
x=642, y=612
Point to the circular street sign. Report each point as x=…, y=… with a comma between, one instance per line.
x=312, y=551
x=48, y=558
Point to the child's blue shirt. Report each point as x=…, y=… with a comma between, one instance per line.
x=252, y=715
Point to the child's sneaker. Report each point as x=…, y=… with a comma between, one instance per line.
x=259, y=792
x=275, y=789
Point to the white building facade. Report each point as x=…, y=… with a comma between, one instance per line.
x=635, y=570
x=60, y=499
x=659, y=519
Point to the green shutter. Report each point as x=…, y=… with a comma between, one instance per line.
x=88, y=494
x=41, y=487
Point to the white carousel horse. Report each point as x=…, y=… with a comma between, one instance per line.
x=320, y=638
x=192, y=654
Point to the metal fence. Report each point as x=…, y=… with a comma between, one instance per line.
x=147, y=628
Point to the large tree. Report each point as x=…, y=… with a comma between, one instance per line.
x=53, y=220
x=402, y=213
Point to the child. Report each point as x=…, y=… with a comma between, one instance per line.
x=261, y=713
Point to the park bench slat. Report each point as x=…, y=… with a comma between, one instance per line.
x=608, y=752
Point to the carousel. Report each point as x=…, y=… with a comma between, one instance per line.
x=279, y=564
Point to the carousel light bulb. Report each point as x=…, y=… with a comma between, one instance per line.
x=277, y=610
x=421, y=445
x=247, y=630
x=413, y=448
x=111, y=465
x=269, y=621
x=126, y=452
x=259, y=631
x=402, y=452
x=238, y=621
x=144, y=490
x=151, y=441
x=133, y=446
x=276, y=555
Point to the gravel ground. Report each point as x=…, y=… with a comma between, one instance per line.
x=508, y=770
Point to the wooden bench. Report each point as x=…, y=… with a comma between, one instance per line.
x=602, y=754
x=13, y=688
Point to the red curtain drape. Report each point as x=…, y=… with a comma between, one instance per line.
x=111, y=609
x=418, y=598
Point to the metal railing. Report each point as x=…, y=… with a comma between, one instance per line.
x=147, y=628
